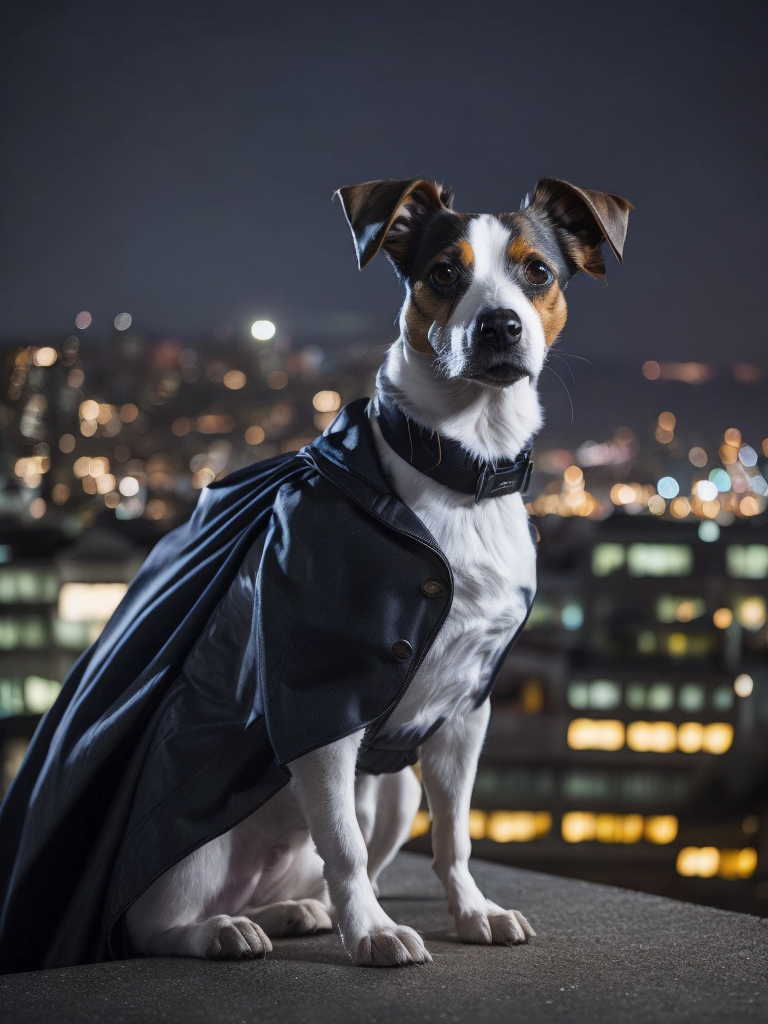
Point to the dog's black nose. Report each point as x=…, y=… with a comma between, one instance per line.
x=500, y=328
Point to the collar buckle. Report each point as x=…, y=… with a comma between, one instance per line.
x=509, y=480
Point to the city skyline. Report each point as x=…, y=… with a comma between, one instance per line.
x=177, y=162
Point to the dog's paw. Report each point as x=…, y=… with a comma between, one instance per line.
x=236, y=938
x=291, y=917
x=495, y=926
x=391, y=947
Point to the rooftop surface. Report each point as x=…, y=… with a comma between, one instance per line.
x=602, y=954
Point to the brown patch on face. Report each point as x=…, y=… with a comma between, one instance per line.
x=519, y=250
x=466, y=255
x=425, y=307
x=553, y=312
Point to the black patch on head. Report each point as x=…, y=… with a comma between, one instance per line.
x=428, y=236
x=543, y=239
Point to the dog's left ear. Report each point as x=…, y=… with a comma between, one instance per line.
x=382, y=214
x=583, y=220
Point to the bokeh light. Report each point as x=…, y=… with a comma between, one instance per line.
x=263, y=330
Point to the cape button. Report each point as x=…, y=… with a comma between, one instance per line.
x=432, y=588
x=402, y=650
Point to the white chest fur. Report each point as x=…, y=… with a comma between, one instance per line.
x=490, y=551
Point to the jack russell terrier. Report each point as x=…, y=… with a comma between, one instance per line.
x=454, y=416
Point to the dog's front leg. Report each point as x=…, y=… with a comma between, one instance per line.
x=449, y=764
x=324, y=782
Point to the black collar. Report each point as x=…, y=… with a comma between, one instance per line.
x=447, y=461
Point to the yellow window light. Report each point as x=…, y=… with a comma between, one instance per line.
x=595, y=734
x=690, y=737
x=632, y=828
x=543, y=823
x=421, y=824
x=533, y=697
x=477, y=824
x=718, y=737
x=723, y=618
x=677, y=645
x=751, y=613
x=660, y=829
x=511, y=826
x=578, y=826
x=687, y=863
x=655, y=737
x=89, y=602
x=747, y=862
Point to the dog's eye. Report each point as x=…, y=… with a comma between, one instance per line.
x=444, y=276
x=537, y=273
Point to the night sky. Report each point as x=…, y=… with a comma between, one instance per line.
x=177, y=161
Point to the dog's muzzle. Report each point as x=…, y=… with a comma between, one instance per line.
x=499, y=329
x=496, y=352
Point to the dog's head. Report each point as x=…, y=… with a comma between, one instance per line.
x=484, y=292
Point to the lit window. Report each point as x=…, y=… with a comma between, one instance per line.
x=572, y=615
x=698, y=862
x=578, y=826
x=595, y=734
x=89, y=602
x=74, y=636
x=659, y=559
x=751, y=613
x=722, y=698
x=708, y=861
x=661, y=696
x=691, y=697
x=690, y=737
x=11, y=698
x=656, y=737
x=40, y=694
x=421, y=824
x=677, y=644
x=27, y=586
x=679, y=609
x=604, y=694
x=477, y=824
x=747, y=561
x=646, y=642
x=718, y=737
x=517, y=826
x=607, y=559
x=660, y=829
x=578, y=694
x=585, y=827
x=635, y=696
x=532, y=697
x=586, y=785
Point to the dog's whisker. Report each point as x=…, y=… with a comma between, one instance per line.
x=565, y=387
x=556, y=355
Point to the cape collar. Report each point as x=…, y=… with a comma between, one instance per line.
x=447, y=461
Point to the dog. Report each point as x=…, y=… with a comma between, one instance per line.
x=484, y=301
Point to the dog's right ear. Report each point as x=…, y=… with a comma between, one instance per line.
x=382, y=214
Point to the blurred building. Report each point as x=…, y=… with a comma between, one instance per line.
x=628, y=740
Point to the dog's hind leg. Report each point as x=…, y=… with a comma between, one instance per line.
x=386, y=806
x=324, y=781
x=299, y=903
x=449, y=763
x=173, y=916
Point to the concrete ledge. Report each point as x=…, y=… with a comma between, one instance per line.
x=602, y=954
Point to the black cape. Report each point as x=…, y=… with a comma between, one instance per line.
x=130, y=770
